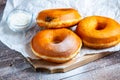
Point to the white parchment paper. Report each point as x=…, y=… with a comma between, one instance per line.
x=20, y=41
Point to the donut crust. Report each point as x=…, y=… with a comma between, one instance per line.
x=99, y=32
x=56, y=45
x=58, y=18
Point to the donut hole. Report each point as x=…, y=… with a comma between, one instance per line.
x=57, y=39
x=100, y=26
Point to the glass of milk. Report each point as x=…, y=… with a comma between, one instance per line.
x=19, y=20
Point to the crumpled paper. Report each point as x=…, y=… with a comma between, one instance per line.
x=20, y=41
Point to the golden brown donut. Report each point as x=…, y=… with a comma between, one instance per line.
x=56, y=45
x=99, y=32
x=58, y=18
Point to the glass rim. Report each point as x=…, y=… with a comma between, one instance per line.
x=29, y=24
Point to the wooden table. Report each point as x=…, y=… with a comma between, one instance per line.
x=13, y=66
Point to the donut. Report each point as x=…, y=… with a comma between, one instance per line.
x=99, y=32
x=58, y=18
x=56, y=45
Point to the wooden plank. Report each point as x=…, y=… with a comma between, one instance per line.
x=76, y=62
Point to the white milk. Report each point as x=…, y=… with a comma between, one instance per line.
x=19, y=20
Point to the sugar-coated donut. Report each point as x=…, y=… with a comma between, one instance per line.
x=58, y=18
x=56, y=45
x=99, y=32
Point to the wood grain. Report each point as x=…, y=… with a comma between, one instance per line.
x=74, y=63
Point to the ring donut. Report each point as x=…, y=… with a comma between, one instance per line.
x=99, y=32
x=56, y=45
x=58, y=18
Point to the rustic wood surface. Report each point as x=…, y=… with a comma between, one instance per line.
x=13, y=66
x=68, y=66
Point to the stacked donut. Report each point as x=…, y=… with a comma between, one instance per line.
x=56, y=43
